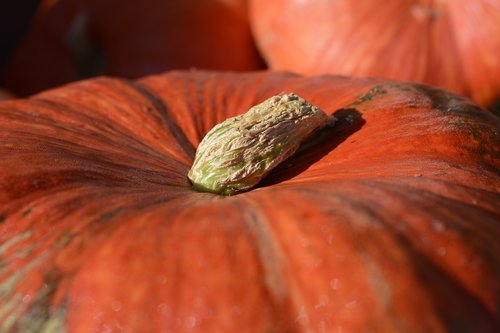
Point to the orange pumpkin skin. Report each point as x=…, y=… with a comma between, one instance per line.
x=450, y=44
x=74, y=39
x=388, y=224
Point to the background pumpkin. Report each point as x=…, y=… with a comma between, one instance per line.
x=74, y=39
x=4, y=94
x=450, y=44
x=388, y=224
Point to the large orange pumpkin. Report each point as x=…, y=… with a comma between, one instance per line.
x=389, y=223
x=450, y=44
x=74, y=39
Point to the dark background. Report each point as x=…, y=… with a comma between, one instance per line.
x=15, y=16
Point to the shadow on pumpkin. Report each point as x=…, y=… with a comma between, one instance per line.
x=348, y=122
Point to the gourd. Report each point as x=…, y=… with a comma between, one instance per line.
x=450, y=44
x=73, y=39
x=387, y=222
x=4, y=94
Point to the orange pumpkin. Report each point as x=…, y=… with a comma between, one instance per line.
x=451, y=44
x=4, y=94
x=388, y=223
x=74, y=39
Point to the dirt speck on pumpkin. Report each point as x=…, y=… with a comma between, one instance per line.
x=374, y=92
x=163, y=309
x=116, y=306
x=351, y=305
x=109, y=215
x=302, y=316
x=438, y=226
x=334, y=284
x=192, y=321
x=27, y=298
x=26, y=212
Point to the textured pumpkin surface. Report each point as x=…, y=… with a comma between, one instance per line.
x=74, y=39
x=389, y=223
x=454, y=44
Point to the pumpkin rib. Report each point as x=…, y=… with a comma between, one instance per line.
x=483, y=240
x=286, y=290
x=143, y=107
x=75, y=146
x=406, y=238
x=315, y=272
x=273, y=264
x=429, y=270
x=71, y=242
x=175, y=129
x=460, y=194
x=71, y=129
x=183, y=240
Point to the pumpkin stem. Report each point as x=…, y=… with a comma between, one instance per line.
x=236, y=154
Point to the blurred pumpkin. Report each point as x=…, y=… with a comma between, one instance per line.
x=4, y=94
x=450, y=44
x=388, y=223
x=73, y=39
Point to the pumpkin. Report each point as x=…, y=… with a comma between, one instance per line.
x=73, y=39
x=386, y=222
x=451, y=44
x=4, y=94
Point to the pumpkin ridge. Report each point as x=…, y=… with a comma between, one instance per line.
x=45, y=308
x=368, y=211
x=452, y=193
x=268, y=250
x=319, y=309
x=428, y=270
x=86, y=103
x=274, y=281
x=280, y=287
x=464, y=220
x=164, y=111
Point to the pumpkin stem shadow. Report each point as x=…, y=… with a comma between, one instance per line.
x=349, y=121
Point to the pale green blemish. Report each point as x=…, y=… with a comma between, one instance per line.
x=14, y=240
x=237, y=153
x=12, y=310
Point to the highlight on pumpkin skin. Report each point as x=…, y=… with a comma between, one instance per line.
x=236, y=154
x=404, y=40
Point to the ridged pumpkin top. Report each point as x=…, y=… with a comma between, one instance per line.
x=389, y=223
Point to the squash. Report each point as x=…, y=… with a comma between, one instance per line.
x=74, y=39
x=450, y=44
x=385, y=222
x=4, y=94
